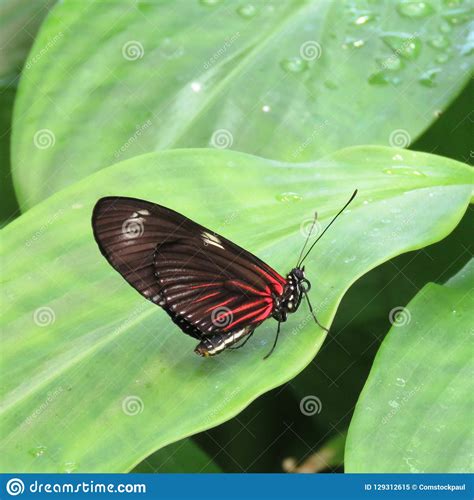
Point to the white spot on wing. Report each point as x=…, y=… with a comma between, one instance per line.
x=144, y=212
x=211, y=239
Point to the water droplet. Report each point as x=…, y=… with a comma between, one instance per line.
x=294, y=65
x=330, y=85
x=196, y=87
x=400, y=382
x=442, y=58
x=289, y=197
x=247, y=11
x=454, y=311
x=383, y=78
x=393, y=404
x=347, y=260
x=459, y=15
x=428, y=78
x=169, y=49
x=266, y=108
x=439, y=42
x=353, y=42
x=397, y=157
x=408, y=8
x=209, y=3
x=403, y=44
x=392, y=63
x=69, y=467
x=38, y=451
x=445, y=27
x=396, y=170
x=364, y=19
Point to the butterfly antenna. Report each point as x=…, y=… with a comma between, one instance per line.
x=328, y=226
x=307, y=237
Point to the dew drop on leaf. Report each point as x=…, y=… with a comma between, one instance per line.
x=428, y=78
x=209, y=3
x=294, y=65
x=247, y=11
x=70, y=467
x=289, y=197
x=38, y=451
x=442, y=58
x=458, y=15
x=403, y=44
x=439, y=42
x=409, y=8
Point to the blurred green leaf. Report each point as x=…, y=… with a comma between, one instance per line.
x=80, y=347
x=291, y=81
x=19, y=22
x=412, y=413
x=8, y=204
x=184, y=456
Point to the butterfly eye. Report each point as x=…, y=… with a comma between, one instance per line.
x=305, y=285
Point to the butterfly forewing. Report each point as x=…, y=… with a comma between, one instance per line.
x=206, y=283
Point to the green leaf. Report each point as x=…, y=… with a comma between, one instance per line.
x=8, y=203
x=184, y=457
x=97, y=377
x=19, y=22
x=290, y=81
x=413, y=414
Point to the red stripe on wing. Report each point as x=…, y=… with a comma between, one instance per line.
x=261, y=314
x=277, y=281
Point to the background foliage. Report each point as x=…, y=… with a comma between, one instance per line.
x=108, y=81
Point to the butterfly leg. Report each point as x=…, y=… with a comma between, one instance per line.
x=275, y=342
x=314, y=315
x=215, y=344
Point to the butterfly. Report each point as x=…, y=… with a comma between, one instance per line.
x=214, y=290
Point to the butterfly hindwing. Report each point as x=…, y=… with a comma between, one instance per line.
x=206, y=283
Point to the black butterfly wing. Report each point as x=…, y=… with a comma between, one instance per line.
x=206, y=283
